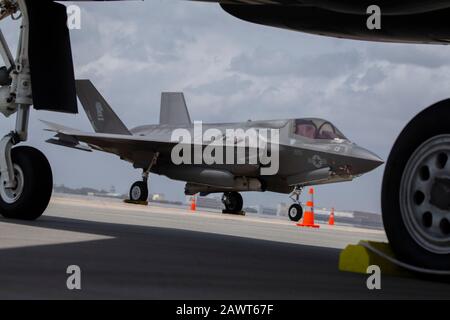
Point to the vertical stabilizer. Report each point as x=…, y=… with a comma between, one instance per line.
x=173, y=109
x=100, y=114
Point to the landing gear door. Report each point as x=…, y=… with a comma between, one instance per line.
x=50, y=54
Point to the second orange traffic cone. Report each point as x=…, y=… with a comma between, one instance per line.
x=193, y=204
x=308, y=216
x=331, y=219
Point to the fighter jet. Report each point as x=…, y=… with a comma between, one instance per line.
x=302, y=152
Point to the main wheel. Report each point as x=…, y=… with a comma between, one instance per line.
x=139, y=191
x=416, y=190
x=233, y=201
x=34, y=185
x=295, y=212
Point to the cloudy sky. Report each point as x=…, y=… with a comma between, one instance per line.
x=232, y=70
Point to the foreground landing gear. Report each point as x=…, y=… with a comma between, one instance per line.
x=416, y=190
x=295, y=211
x=233, y=202
x=33, y=184
x=26, y=180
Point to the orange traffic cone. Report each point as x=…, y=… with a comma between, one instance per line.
x=308, y=216
x=193, y=204
x=331, y=219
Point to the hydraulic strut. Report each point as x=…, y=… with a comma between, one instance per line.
x=15, y=90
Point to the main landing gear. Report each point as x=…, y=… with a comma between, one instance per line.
x=28, y=196
x=233, y=202
x=139, y=189
x=295, y=211
x=26, y=180
x=416, y=190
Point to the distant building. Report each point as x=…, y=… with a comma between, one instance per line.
x=157, y=197
x=260, y=209
x=268, y=211
x=251, y=209
x=87, y=191
x=282, y=209
x=209, y=202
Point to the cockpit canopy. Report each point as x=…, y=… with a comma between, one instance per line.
x=312, y=128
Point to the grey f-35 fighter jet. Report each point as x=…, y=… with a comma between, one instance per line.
x=309, y=151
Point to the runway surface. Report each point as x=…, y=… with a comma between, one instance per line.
x=148, y=252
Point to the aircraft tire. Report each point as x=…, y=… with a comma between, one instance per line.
x=31, y=196
x=233, y=201
x=295, y=212
x=139, y=191
x=415, y=197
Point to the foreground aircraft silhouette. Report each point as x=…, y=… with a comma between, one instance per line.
x=309, y=151
x=416, y=183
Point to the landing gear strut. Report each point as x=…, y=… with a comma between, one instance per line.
x=295, y=211
x=233, y=202
x=25, y=175
x=416, y=190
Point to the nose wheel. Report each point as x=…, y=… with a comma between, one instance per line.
x=295, y=212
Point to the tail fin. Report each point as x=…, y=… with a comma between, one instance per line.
x=100, y=114
x=173, y=109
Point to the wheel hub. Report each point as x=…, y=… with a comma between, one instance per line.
x=440, y=193
x=11, y=195
x=228, y=201
x=136, y=192
x=293, y=211
x=425, y=195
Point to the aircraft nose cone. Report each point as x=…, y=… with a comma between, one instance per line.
x=365, y=160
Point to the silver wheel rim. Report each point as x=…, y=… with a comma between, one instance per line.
x=228, y=202
x=11, y=195
x=426, y=173
x=136, y=193
x=293, y=212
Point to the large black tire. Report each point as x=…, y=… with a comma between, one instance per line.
x=295, y=212
x=432, y=123
x=37, y=185
x=233, y=202
x=139, y=191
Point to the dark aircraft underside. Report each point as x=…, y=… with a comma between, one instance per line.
x=423, y=27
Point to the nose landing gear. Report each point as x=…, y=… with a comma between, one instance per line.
x=295, y=211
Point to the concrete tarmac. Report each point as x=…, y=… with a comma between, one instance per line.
x=130, y=251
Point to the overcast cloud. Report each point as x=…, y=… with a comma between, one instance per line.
x=232, y=70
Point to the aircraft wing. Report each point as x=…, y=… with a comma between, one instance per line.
x=135, y=149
